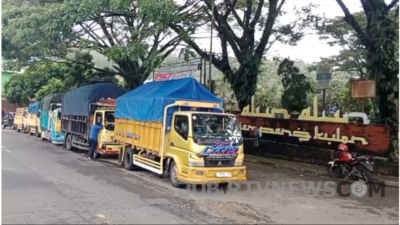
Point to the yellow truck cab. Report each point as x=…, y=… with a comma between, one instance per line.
x=106, y=145
x=79, y=110
x=19, y=119
x=191, y=141
x=32, y=119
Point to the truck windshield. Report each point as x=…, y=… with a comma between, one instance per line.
x=109, y=120
x=212, y=128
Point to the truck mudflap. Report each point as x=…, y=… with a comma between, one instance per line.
x=109, y=150
x=199, y=175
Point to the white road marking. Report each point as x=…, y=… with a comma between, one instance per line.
x=8, y=150
x=100, y=216
x=7, y=168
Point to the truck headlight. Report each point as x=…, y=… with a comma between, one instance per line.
x=195, y=161
x=238, y=163
x=196, y=164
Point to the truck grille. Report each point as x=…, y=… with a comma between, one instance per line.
x=219, y=162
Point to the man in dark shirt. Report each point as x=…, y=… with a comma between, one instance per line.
x=94, y=132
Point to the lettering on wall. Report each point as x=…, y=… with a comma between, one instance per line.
x=305, y=136
x=311, y=128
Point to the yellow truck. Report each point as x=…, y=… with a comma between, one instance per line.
x=178, y=129
x=18, y=119
x=32, y=119
x=79, y=110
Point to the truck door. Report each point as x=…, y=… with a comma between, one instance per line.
x=179, y=138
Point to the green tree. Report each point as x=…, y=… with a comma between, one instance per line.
x=269, y=86
x=41, y=79
x=236, y=23
x=15, y=91
x=52, y=29
x=352, y=57
x=53, y=86
x=296, y=86
x=378, y=35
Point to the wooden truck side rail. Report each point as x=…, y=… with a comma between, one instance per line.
x=138, y=134
x=80, y=125
x=75, y=124
x=149, y=136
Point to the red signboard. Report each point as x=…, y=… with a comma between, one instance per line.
x=363, y=88
x=172, y=75
x=365, y=139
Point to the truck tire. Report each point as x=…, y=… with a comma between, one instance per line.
x=128, y=160
x=121, y=158
x=37, y=133
x=173, y=177
x=68, y=142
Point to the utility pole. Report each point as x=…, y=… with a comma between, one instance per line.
x=205, y=69
x=199, y=67
x=211, y=43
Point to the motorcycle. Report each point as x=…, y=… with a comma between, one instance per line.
x=345, y=164
x=7, y=121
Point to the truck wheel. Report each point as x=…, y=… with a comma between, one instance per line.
x=42, y=135
x=128, y=161
x=37, y=133
x=68, y=142
x=173, y=177
x=18, y=130
x=121, y=158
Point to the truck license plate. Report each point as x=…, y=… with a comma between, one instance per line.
x=223, y=174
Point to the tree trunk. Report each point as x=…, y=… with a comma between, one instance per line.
x=244, y=83
x=133, y=75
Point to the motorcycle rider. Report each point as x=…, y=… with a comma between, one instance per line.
x=345, y=155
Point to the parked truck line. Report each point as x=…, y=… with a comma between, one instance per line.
x=176, y=129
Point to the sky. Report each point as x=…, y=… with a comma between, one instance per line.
x=310, y=48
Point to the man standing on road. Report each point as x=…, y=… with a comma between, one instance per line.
x=94, y=132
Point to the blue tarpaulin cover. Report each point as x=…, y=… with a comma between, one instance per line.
x=33, y=108
x=77, y=102
x=147, y=102
x=50, y=99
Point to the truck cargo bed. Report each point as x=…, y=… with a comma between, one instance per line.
x=77, y=124
x=139, y=134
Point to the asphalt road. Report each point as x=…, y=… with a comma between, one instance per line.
x=43, y=183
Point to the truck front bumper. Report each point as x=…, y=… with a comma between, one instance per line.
x=58, y=138
x=200, y=175
x=110, y=149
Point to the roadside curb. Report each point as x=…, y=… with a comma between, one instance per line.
x=309, y=168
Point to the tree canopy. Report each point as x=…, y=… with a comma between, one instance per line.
x=375, y=35
x=42, y=79
x=296, y=86
x=38, y=30
x=236, y=23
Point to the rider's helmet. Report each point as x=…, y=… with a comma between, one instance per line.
x=343, y=147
